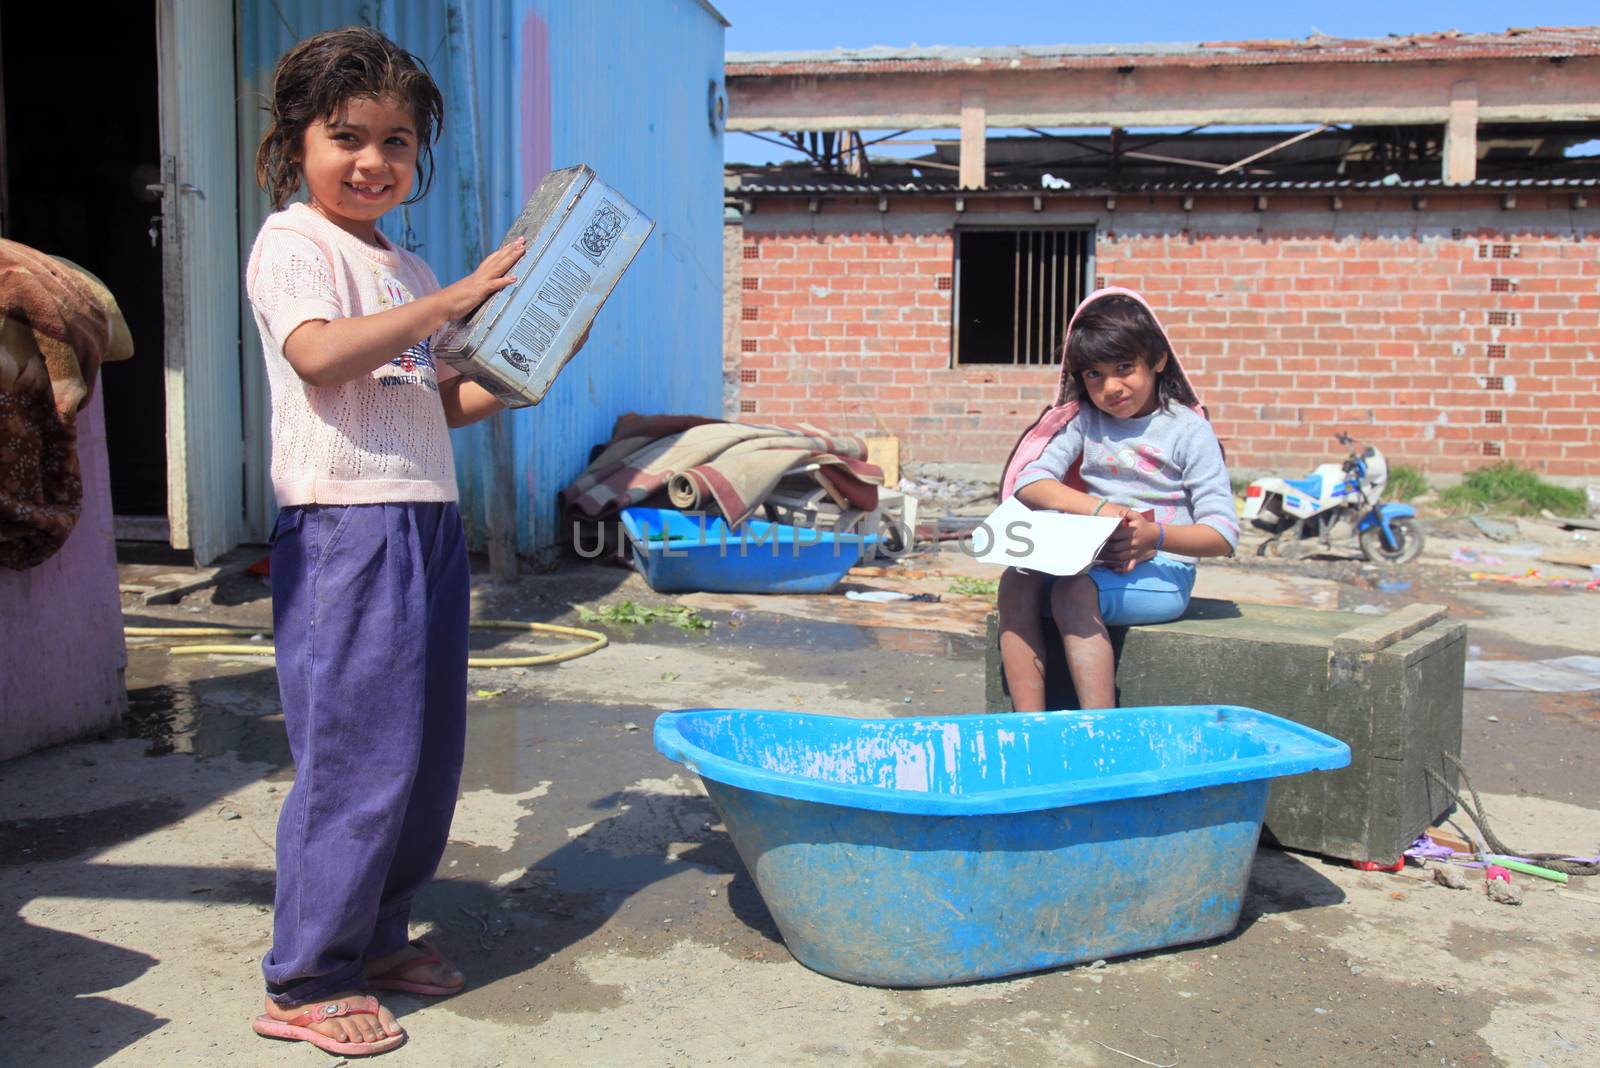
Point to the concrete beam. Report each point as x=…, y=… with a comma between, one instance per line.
x=1461, y=134
x=1510, y=90
x=974, y=138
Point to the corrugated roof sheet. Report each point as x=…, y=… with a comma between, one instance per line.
x=1241, y=186
x=1545, y=42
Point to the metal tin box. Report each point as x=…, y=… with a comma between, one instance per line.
x=581, y=235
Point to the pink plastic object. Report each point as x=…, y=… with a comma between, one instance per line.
x=1495, y=871
x=1373, y=865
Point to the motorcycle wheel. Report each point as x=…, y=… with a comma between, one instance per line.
x=1408, y=536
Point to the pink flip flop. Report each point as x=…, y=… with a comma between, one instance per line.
x=399, y=976
x=299, y=1028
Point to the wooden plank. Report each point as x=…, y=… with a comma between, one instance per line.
x=1402, y=92
x=974, y=139
x=1461, y=134
x=1570, y=522
x=1386, y=630
x=1571, y=559
x=884, y=451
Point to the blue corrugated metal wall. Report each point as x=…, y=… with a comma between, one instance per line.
x=629, y=86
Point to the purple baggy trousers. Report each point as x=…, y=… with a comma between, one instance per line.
x=369, y=612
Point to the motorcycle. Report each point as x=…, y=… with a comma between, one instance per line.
x=1294, y=510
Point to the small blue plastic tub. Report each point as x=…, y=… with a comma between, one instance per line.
x=680, y=552
x=944, y=849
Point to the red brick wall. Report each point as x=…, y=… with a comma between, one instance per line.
x=1290, y=338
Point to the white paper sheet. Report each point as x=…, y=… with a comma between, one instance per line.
x=1056, y=543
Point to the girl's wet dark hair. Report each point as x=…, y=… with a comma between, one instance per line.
x=1116, y=327
x=315, y=80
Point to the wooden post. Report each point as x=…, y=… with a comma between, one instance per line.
x=974, y=134
x=1461, y=134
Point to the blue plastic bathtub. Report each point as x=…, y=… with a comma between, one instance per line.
x=701, y=552
x=943, y=849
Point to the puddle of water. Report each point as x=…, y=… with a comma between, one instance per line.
x=208, y=718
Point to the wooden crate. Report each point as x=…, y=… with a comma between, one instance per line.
x=1388, y=686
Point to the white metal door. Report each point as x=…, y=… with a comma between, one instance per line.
x=201, y=281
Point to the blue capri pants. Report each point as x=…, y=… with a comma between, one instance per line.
x=1156, y=591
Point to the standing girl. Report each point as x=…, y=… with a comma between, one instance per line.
x=1141, y=447
x=369, y=565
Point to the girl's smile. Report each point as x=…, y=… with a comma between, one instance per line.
x=360, y=163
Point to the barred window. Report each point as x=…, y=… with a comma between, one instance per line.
x=1014, y=291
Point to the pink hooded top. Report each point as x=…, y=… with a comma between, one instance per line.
x=1169, y=461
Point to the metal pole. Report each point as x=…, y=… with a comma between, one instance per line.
x=462, y=105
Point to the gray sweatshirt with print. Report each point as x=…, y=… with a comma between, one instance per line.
x=1168, y=461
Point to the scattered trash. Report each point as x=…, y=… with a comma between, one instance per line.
x=631, y=728
x=889, y=596
x=877, y=596
x=670, y=676
x=1572, y=523
x=1534, y=575
x=1566, y=674
x=228, y=814
x=1494, y=529
x=1501, y=863
x=1394, y=587
x=489, y=693
x=1373, y=865
x=1504, y=893
x=1465, y=554
x=946, y=494
x=1450, y=876
x=1495, y=871
x=1562, y=863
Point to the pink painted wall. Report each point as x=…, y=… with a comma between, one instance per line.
x=535, y=100
x=62, y=655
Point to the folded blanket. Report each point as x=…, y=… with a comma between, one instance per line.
x=57, y=324
x=701, y=462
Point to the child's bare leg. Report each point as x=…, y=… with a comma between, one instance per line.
x=1022, y=644
x=1075, y=603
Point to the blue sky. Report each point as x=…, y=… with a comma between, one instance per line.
x=785, y=25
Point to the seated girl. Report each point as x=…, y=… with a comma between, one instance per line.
x=1142, y=447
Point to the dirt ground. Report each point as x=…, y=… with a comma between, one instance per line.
x=603, y=916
